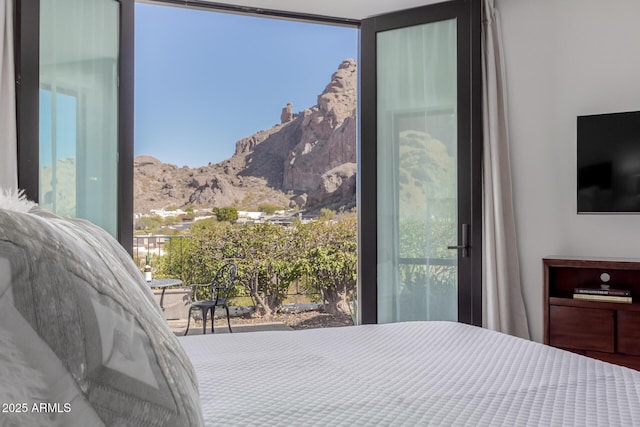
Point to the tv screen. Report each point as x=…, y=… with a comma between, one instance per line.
x=609, y=163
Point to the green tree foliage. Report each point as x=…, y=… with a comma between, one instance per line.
x=427, y=239
x=321, y=255
x=270, y=259
x=171, y=220
x=331, y=260
x=269, y=263
x=197, y=258
x=226, y=214
x=151, y=222
x=204, y=223
x=176, y=259
x=326, y=214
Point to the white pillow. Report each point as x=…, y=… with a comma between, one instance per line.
x=97, y=336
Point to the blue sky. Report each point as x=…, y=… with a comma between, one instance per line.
x=205, y=80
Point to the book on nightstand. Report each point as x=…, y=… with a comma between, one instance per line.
x=603, y=298
x=603, y=291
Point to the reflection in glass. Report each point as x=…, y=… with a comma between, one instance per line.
x=58, y=124
x=79, y=50
x=417, y=149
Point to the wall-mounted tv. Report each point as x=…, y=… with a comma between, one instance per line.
x=609, y=163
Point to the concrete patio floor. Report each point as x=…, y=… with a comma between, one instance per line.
x=178, y=327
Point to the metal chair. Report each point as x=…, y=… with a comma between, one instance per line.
x=219, y=290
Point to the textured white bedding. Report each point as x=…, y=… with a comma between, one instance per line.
x=417, y=373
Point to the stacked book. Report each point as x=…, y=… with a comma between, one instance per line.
x=602, y=294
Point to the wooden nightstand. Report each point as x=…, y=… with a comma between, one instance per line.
x=608, y=331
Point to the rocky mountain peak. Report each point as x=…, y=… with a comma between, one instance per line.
x=287, y=114
x=309, y=156
x=328, y=135
x=338, y=100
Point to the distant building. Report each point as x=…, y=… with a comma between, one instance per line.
x=282, y=220
x=165, y=214
x=248, y=217
x=199, y=218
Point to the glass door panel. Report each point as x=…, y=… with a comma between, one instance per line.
x=79, y=59
x=417, y=170
x=58, y=119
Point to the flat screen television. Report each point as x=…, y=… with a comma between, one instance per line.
x=609, y=163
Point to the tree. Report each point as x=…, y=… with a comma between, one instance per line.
x=331, y=261
x=203, y=223
x=226, y=214
x=176, y=259
x=326, y=214
x=271, y=258
x=150, y=222
x=269, y=265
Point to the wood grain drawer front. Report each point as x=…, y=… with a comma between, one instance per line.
x=629, y=332
x=582, y=328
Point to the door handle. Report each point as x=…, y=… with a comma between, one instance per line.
x=466, y=228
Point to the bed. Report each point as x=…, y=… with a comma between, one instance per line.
x=414, y=373
x=84, y=343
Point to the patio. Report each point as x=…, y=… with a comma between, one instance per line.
x=178, y=327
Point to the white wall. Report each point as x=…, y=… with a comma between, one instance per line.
x=565, y=58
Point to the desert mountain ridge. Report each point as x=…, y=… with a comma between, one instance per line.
x=308, y=161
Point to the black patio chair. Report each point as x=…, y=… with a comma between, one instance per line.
x=219, y=290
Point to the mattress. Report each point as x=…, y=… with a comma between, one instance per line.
x=405, y=374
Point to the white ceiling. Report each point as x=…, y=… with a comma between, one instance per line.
x=69, y=48
x=352, y=9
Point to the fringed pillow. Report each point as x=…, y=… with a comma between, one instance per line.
x=77, y=305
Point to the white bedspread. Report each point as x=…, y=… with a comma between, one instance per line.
x=405, y=374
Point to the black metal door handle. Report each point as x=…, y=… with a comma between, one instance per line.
x=465, y=241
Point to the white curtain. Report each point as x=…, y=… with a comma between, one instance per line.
x=503, y=304
x=8, y=131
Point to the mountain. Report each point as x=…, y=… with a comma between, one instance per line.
x=308, y=160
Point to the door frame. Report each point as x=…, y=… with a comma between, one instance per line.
x=27, y=59
x=27, y=52
x=27, y=91
x=468, y=14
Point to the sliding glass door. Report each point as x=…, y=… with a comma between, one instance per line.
x=75, y=110
x=420, y=161
x=79, y=51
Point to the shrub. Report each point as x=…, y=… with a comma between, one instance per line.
x=150, y=222
x=171, y=220
x=326, y=214
x=331, y=261
x=271, y=258
x=226, y=214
